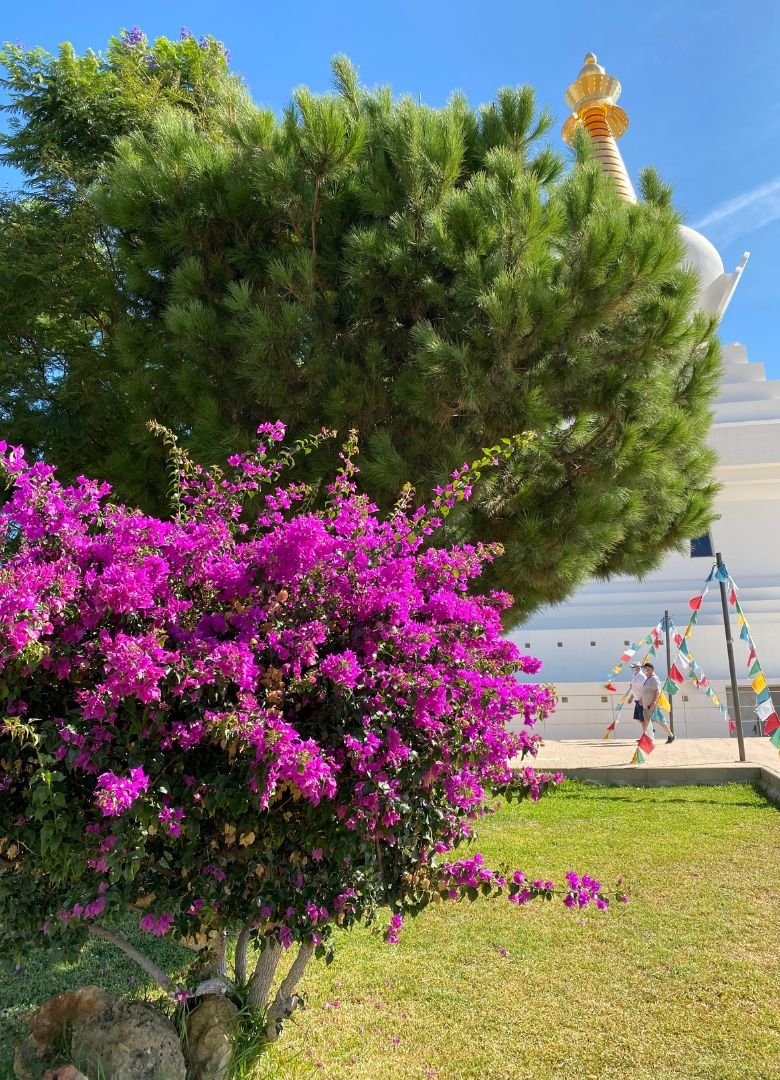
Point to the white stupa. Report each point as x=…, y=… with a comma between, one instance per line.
x=583, y=638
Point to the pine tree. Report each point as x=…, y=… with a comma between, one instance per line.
x=439, y=279
x=64, y=391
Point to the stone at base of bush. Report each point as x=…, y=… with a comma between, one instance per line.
x=30, y=1060
x=48, y=1025
x=209, y=1044
x=129, y=1042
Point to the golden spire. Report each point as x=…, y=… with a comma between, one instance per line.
x=593, y=101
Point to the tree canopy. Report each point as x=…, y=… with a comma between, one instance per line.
x=439, y=278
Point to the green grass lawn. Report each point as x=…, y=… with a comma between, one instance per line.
x=684, y=982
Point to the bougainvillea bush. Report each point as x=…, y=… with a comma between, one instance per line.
x=256, y=718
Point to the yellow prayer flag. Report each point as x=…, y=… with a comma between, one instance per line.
x=741, y=619
x=715, y=699
x=663, y=701
x=759, y=683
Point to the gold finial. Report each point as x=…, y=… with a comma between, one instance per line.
x=594, y=89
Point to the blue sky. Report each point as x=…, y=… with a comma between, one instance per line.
x=701, y=85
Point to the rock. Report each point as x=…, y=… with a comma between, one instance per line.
x=128, y=1041
x=65, y=1072
x=74, y=1007
x=30, y=1060
x=48, y=1023
x=209, y=1044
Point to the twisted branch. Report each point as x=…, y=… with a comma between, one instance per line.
x=264, y=972
x=286, y=1000
x=143, y=962
x=242, y=949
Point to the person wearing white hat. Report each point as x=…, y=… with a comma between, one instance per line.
x=637, y=682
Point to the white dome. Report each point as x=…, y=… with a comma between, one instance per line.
x=702, y=256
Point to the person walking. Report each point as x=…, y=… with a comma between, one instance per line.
x=651, y=692
x=637, y=682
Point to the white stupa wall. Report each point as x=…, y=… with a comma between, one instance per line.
x=581, y=640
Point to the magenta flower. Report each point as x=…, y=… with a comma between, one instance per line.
x=115, y=794
x=159, y=925
x=342, y=668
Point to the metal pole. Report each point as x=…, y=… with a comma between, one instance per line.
x=732, y=669
x=667, y=623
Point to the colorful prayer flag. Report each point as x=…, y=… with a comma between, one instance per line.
x=759, y=682
x=646, y=744
x=676, y=674
x=764, y=709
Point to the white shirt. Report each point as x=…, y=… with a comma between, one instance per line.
x=637, y=682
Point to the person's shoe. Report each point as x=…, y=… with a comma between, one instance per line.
x=671, y=739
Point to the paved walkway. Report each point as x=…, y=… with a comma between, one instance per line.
x=682, y=753
x=685, y=761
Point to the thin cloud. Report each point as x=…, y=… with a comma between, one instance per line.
x=744, y=213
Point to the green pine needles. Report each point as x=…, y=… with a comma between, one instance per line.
x=439, y=279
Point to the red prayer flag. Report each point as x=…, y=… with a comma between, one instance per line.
x=696, y=602
x=678, y=639
x=609, y=686
x=771, y=724
x=646, y=744
x=751, y=658
x=733, y=596
x=676, y=674
x=732, y=726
